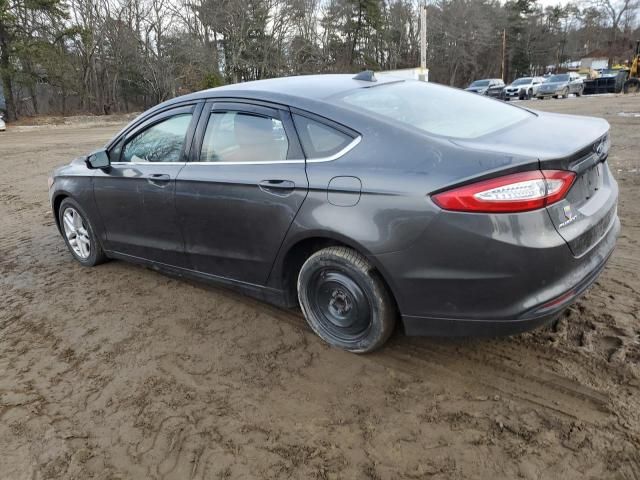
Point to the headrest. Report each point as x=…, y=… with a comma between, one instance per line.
x=252, y=130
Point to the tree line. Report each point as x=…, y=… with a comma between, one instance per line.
x=105, y=56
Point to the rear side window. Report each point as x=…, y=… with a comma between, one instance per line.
x=239, y=137
x=318, y=139
x=434, y=108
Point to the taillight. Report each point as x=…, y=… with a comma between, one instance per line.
x=518, y=192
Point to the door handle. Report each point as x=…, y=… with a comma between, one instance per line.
x=159, y=179
x=281, y=188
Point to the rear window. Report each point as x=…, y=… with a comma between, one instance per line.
x=434, y=109
x=480, y=83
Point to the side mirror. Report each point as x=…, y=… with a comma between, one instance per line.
x=99, y=159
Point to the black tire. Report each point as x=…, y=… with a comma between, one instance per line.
x=345, y=301
x=631, y=86
x=554, y=96
x=96, y=255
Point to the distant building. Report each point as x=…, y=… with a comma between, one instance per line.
x=569, y=65
x=593, y=63
x=408, y=73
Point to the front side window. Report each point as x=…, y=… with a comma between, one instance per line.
x=319, y=140
x=163, y=142
x=433, y=108
x=239, y=137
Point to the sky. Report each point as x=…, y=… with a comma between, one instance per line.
x=548, y=3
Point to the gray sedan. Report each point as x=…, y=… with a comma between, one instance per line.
x=366, y=202
x=561, y=85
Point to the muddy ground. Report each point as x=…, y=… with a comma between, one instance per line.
x=119, y=372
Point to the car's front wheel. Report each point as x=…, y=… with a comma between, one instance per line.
x=79, y=235
x=345, y=301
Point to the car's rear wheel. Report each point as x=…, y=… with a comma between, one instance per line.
x=345, y=301
x=79, y=235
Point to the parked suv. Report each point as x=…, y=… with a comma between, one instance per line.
x=525, y=87
x=561, y=85
x=483, y=87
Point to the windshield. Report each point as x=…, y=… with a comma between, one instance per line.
x=521, y=81
x=558, y=78
x=434, y=108
x=480, y=83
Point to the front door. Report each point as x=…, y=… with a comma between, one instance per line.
x=135, y=196
x=241, y=190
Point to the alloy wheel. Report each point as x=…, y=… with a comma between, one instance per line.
x=76, y=232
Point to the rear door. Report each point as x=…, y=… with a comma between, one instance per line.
x=241, y=189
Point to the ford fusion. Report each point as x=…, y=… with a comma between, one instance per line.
x=367, y=202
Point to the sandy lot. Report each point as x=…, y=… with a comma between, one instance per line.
x=118, y=372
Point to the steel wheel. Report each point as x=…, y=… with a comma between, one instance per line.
x=345, y=301
x=340, y=304
x=77, y=234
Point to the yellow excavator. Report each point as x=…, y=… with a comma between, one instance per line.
x=632, y=85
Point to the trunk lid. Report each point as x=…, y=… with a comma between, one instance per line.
x=567, y=142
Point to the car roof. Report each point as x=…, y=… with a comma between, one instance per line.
x=296, y=91
x=304, y=92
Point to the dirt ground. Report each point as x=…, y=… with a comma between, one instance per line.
x=119, y=372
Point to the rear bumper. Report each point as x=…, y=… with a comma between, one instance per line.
x=535, y=318
x=461, y=279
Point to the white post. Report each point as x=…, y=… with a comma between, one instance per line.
x=423, y=43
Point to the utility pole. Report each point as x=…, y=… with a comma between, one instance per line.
x=423, y=43
x=504, y=53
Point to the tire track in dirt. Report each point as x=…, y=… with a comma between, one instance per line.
x=418, y=358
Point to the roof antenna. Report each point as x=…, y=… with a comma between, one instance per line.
x=366, y=76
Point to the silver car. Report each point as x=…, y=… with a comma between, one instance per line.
x=525, y=87
x=561, y=85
